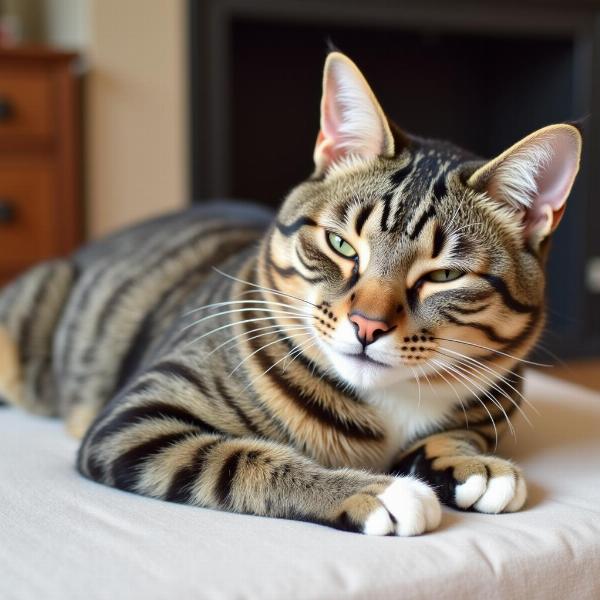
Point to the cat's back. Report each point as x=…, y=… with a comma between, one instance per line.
x=132, y=285
x=153, y=238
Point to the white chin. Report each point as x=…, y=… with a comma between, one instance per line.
x=367, y=375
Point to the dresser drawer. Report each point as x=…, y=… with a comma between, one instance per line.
x=28, y=213
x=26, y=105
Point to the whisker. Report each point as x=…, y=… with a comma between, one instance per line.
x=260, y=287
x=489, y=395
x=465, y=227
x=528, y=362
x=288, y=314
x=551, y=354
x=469, y=377
x=306, y=344
x=470, y=373
x=297, y=353
x=255, y=320
x=451, y=222
x=428, y=380
x=448, y=369
x=215, y=304
x=277, y=341
x=438, y=372
x=483, y=365
x=497, y=387
x=492, y=372
x=277, y=328
x=418, y=384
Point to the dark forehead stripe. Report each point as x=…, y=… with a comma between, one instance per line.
x=342, y=210
x=439, y=239
x=428, y=214
x=396, y=179
x=290, y=229
x=439, y=187
x=362, y=217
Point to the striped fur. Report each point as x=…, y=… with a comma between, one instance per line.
x=248, y=387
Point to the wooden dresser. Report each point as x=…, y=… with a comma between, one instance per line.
x=40, y=199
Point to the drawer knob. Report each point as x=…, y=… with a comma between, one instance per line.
x=7, y=211
x=5, y=109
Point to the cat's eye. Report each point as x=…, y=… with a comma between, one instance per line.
x=444, y=275
x=340, y=245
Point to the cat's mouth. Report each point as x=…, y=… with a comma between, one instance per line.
x=363, y=357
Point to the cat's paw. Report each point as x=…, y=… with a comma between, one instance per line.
x=405, y=506
x=482, y=483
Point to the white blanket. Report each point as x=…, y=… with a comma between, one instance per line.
x=63, y=537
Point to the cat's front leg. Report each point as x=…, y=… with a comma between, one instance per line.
x=463, y=475
x=157, y=450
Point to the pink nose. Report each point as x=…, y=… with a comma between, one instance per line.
x=368, y=330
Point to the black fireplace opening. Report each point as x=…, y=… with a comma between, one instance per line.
x=256, y=86
x=483, y=93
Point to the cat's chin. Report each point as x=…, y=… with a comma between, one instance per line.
x=366, y=373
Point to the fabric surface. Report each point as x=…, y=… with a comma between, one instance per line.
x=63, y=537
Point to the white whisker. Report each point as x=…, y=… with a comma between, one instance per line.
x=418, y=384
x=303, y=346
x=260, y=287
x=487, y=393
x=428, y=380
x=276, y=329
x=216, y=304
x=505, y=369
x=277, y=341
x=528, y=362
x=256, y=320
x=452, y=372
x=466, y=227
x=288, y=314
x=495, y=373
x=438, y=372
x=489, y=381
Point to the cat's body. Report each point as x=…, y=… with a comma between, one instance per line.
x=370, y=334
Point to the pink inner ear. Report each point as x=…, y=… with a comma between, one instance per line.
x=330, y=136
x=350, y=123
x=554, y=180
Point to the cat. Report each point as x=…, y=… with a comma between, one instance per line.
x=350, y=362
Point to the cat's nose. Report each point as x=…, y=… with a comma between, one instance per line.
x=368, y=330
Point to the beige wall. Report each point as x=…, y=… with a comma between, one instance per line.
x=135, y=111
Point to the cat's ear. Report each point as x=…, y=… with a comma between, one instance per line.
x=352, y=121
x=534, y=177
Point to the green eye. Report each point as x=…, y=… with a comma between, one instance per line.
x=444, y=275
x=340, y=245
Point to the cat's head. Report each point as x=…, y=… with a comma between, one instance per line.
x=414, y=252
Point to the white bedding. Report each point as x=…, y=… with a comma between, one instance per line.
x=62, y=537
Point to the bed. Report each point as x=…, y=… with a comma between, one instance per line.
x=63, y=537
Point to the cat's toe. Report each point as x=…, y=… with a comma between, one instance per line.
x=504, y=490
x=413, y=505
x=520, y=496
x=404, y=507
x=467, y=493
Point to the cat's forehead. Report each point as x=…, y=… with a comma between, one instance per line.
x=421, y=183
x=428, y=159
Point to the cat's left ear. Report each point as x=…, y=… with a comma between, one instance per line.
x=534, y=177
x=352, y=121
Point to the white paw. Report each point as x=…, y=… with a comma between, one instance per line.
x=505, y=491
x=519, y=497
x=467, y=493
x=498, y=493
x=410, y=507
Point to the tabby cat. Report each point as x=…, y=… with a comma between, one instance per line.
x=351, y=362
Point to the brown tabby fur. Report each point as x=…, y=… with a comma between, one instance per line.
x=233, y=389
